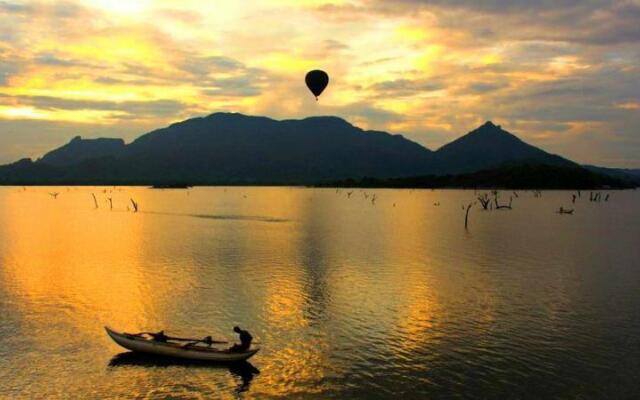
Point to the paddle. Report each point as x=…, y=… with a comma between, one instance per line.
x=180, y=339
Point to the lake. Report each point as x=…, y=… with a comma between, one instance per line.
x=347, y=297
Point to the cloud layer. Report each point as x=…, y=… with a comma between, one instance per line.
x=562, y=74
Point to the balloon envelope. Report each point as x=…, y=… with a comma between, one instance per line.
x=317, y=81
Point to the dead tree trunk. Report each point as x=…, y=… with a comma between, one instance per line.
x=484, y=201
x=502, y=206
x=466, y=217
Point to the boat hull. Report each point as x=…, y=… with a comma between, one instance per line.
x=142, y=345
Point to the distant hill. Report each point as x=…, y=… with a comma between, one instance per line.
x=489, y=146
x=234, y=147
x=514, y=175
x=634, y=172
x=26, y=172
x=628, y=175
x=230, y=148
x=78, y=150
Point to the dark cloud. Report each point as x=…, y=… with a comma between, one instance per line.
x=586, y=22
x=377, y=61
x=201, y=67
x=484, y=87
x=14, y=7
x=334, y=45
x=156, y=108
x=590, y=98
x=240, y=86
x=7, y=69
x=238, y=80
x=605, y=86
x=595, y=22
x=504, y=6
x=106, y=80
x=58, y=10
x=407, y=87
x=62, y=9
x=52, y=59
x=24, y=24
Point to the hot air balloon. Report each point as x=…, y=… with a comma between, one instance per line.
x=317, y=81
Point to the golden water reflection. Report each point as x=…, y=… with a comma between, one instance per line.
x=340, y=292
x=67, y=255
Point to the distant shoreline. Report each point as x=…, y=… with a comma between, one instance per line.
x=318, y=186
x=512, y=176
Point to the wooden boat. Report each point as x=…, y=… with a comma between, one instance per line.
x=139, y=343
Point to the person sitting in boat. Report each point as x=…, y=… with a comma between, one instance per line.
x=159, y=337
x=245, y=340
x=208, y=340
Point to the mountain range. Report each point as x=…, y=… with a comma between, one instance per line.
x=231, y=148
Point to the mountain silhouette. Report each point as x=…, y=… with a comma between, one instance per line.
x=231, y=148
x=234, y=147
x=78, y=150
x=489, y=146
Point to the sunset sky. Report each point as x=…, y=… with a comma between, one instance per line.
x=563, y=74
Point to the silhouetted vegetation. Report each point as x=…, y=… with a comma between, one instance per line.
x=171, y=186
x=510, y=176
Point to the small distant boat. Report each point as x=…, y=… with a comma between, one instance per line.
x=139, y=343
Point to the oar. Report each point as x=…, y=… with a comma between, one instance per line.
x=178, y=339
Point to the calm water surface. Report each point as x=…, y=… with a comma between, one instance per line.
x=348, y=299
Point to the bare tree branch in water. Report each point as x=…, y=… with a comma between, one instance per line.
x=484, y=201
x=95, y=201
x=502, y=206
x=466, y=217
x=135, y=206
